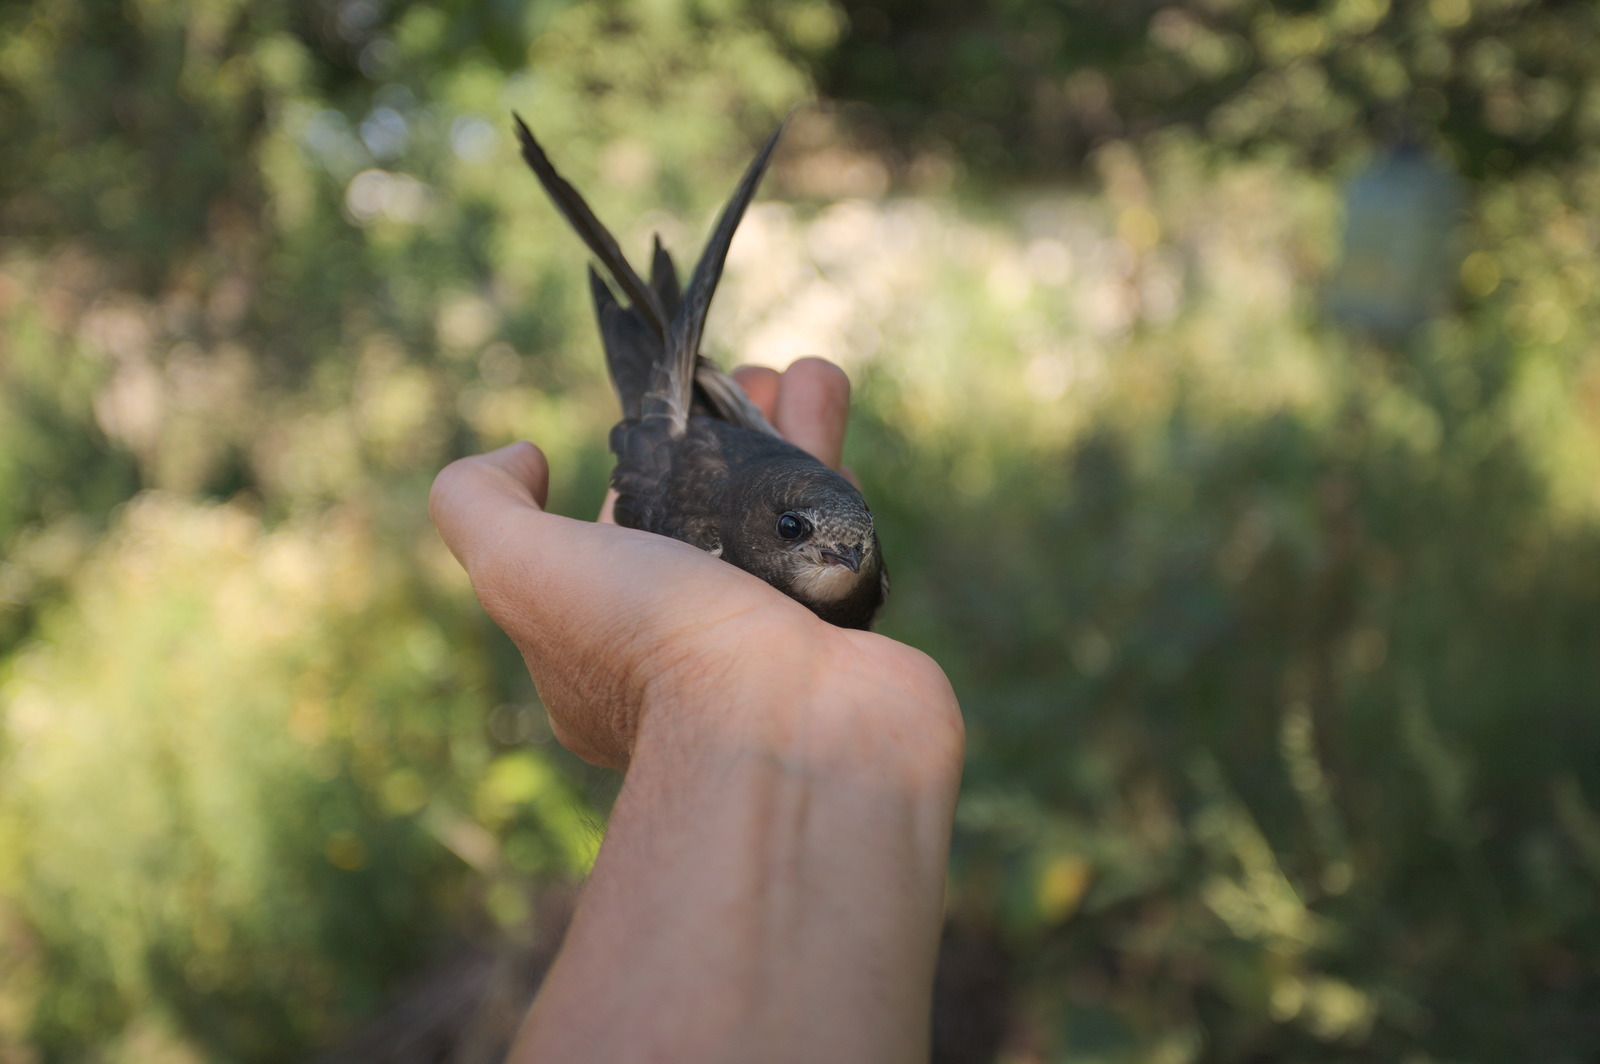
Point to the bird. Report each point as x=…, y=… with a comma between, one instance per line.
x=696, y=460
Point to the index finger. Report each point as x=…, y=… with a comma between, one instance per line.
x=813, y=408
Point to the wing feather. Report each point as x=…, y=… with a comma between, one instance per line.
x=672, y=386
x=590, y=228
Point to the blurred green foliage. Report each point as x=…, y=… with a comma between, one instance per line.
x=1502, y=85
x=1278, y=647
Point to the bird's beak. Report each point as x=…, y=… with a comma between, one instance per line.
x=849, y=557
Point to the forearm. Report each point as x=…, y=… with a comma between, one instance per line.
x=768, y=893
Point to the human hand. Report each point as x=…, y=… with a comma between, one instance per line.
x=618, y=626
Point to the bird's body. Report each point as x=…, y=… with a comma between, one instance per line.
x=725, y=489
x=696, y=460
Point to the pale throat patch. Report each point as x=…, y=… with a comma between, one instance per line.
x=821, y=582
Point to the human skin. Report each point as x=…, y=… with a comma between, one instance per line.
x=771, y=882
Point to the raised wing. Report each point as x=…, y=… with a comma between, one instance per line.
x=594, y=234
x=671, y=388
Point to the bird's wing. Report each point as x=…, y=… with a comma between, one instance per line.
x=714, y=390
x=672, y=388
x=726, y=400
x=594, y=234
x=644, y=452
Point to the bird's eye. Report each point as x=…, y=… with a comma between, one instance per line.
x=792, y=526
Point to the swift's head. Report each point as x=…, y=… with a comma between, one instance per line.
x=809, y=534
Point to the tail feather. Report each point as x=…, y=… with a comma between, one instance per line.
x=632, y=350
x=664, y=279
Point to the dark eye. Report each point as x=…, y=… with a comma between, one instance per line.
x=792, y=526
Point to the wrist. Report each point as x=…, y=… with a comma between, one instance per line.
x=772, y=877
x=854, y=703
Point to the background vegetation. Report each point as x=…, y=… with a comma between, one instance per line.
x=1276, y=628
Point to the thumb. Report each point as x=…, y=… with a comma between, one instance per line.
x=475, y=501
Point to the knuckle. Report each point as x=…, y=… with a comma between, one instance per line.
x=445, y=485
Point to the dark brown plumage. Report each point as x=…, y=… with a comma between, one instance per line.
x=696, y=460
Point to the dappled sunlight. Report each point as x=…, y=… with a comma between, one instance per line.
x=1040, y=323
x=1247, y=489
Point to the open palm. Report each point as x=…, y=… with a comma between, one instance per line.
x=614, y=623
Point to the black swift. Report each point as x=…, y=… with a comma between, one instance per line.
x=696, y=460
